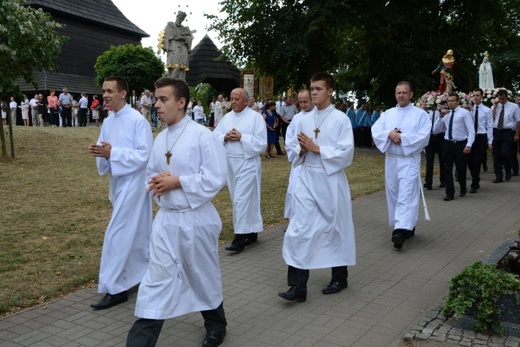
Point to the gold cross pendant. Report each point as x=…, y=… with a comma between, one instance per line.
x=168, y=156
x=316, y=131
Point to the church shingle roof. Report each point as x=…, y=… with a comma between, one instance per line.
x=100, y=11
x=206, y=67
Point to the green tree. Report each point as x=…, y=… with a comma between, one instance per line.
x=138, y=65
x=373, y=44
x=28, y=42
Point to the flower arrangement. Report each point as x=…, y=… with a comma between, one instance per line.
x=439, y=101
x=490, y=95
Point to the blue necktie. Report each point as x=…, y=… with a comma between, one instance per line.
x=450, y=128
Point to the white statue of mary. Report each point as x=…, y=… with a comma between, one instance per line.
x=485, y=74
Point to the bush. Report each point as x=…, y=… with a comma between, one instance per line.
x=477, y=288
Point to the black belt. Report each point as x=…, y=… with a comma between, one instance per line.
x=438, y=135
x=456, y=141
x=503, y=129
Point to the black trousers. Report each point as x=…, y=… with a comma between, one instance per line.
x=66, y=116
x=283, y=129
x=434, y=147
x=453, y=153
x=82, y=117
x=476, y=157
x=145, y=332
x=502, y=145
x=300, y=277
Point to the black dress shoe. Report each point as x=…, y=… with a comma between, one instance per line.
x=427, y=186
x=234, y=248
x=473, y=190
x=508, y=176
x=214, y=338
x=294, y=293
x=462, y=194
x=251, y=238
x=398, y=238
x=110, y=300
x=335, y=287
x=409, y=233
x=442, y=185
x=498, y=180
x=448, y=198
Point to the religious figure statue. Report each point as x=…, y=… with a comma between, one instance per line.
x=176, y=43
x=485, y=74
x=445, y=68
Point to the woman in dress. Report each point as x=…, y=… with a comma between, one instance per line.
x=52, y=105
x=94, y=110
x=24, y=105
x=271, y=121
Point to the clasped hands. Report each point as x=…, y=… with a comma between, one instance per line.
x=162, y=183
x=307, y=144
x=395, y=136
x=232, y=135
x=103, y=150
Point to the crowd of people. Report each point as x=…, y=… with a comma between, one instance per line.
x=63, y=110
x=175, y=260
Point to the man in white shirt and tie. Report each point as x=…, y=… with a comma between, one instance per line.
x=458, y=139
x=506, y=131
x=483, y=125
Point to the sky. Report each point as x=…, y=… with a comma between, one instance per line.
x=151, y=16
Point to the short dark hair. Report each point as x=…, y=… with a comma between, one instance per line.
x=180, y=88
x=121, y=83
x=502, y=92
x=479, y=90
x=326, y=77
x=455, y=95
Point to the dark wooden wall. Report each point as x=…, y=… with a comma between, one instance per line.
x=86, y=42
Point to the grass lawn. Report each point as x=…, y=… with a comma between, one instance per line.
x=55, y=208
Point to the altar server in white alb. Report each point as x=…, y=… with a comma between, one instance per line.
x=122, y=151
x=321, y=230
x=243, y=133
x=401, y=133
x=187, y=169
x=306, y=106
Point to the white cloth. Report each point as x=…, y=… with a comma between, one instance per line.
x=124, y=258
x=295, y=170
x=184, y=272
x=244, y=167
x=402, y=161
x=219, y=112
x=485, y=76
x=485, y=121
x=198, y=111
x=321, y=231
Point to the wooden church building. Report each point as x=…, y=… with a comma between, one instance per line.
x=92, y=27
